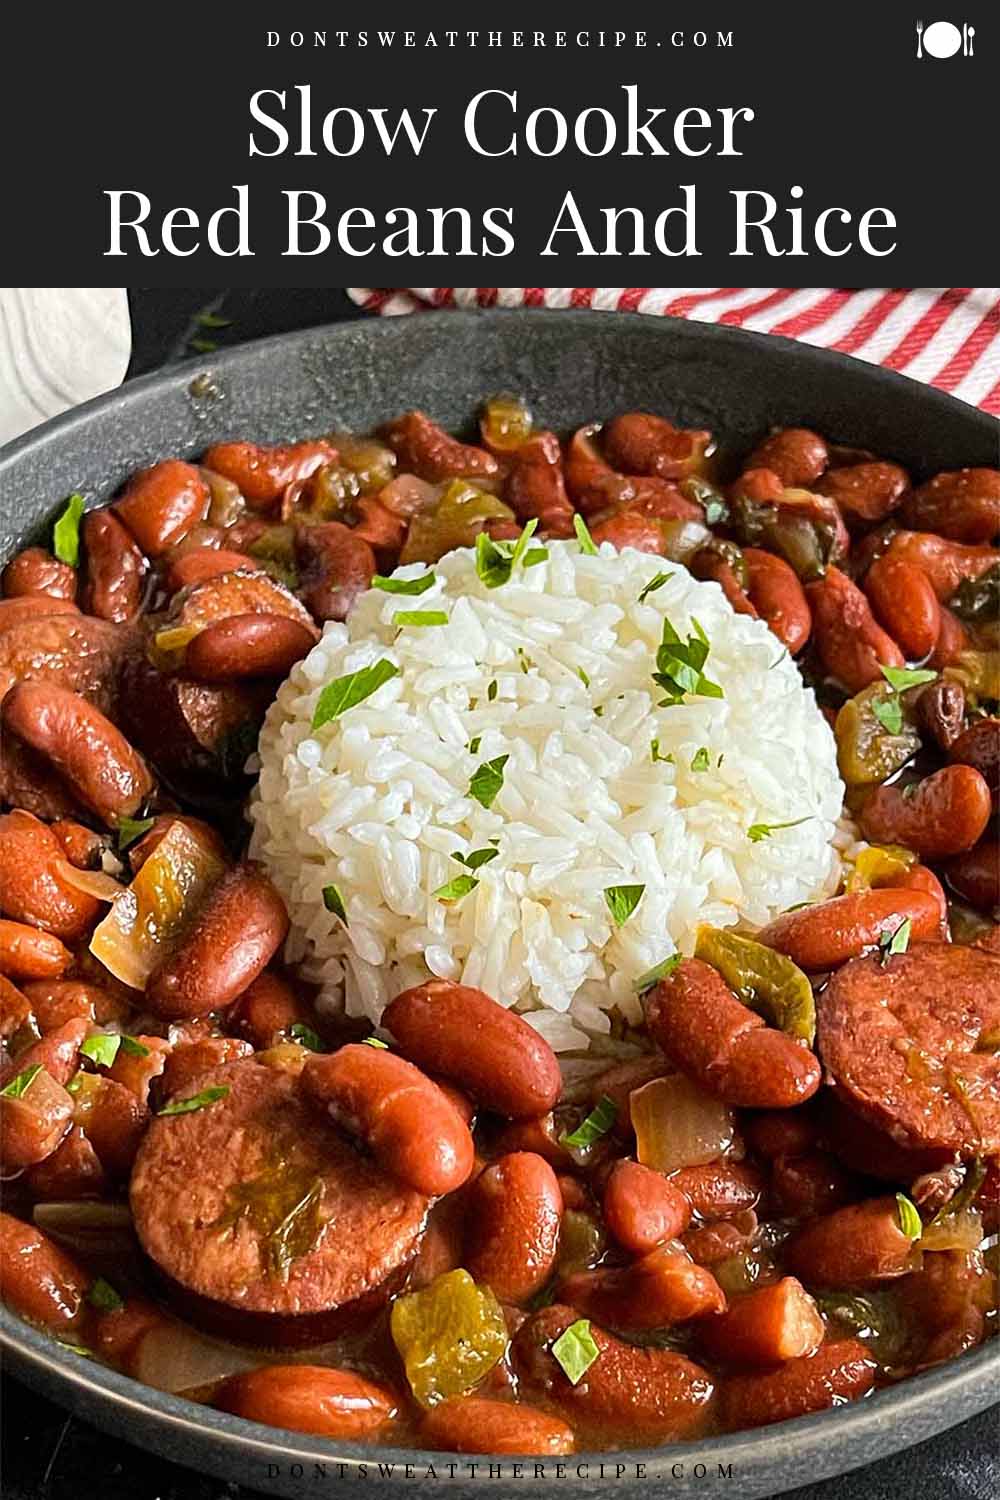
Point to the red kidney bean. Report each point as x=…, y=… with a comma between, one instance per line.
x=116, y=568
x=514, y=1213
x=32, y=1126
x=35, y=571
x=408, y=496
x=540, y=1135
x=56, y=1001
x=946, y=563
x=962, y=504
x=778, y=597
x=768, y=1326
x=851, y=646
x=441, y=1245
x=790, y=1132
x=72, y=1171
x=266, y=1011
x=858, y=1245
x=207, y=562
x=944, y=814
x=310, y=1398
x=941, y=712
x=137, y=1072
x=713, y=567
x=424, y=448
x=979, y=746
x=720, y=1188
x=15, y=1009
x=797, y=455
x=239, y=929
x=836, y=1373
x=247, y=646
x=161, y=504
x=187, y=1063
x=710, y=1244
x=473, y=1424
x=761, y=485
x=118, y=1335
x=535, y=488
x=698, y=1022
x=905, y=604
x=114, y=1121
x=809, y=1184
x=57, y=1053
x=639, y=443
x=575, y=1197
x=404, y=1119
x=40, y=1282
x=630, y=529
x=920, y=878
x=27, y=953
x=828, y=934
x=632, y=1394
x=32, y=889
x=623, y=1080
x=975, y=875
x=490, y=1052
x=946, y=1299
x=592, y=483
x=336, y=567
x=81, y=846
x=662, y=1288
x=865, y=492
x=262, y=472
x=952, y=640
x=642, y=1209
x=87, y=750
x=384, y=532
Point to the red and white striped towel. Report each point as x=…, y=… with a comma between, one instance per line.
x=945, y=336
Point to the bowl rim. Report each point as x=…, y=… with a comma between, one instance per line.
x=816, y=1446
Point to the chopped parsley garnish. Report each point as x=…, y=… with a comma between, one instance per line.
x=101, y=1048
x=207, y=319
x=66, y=532
x=134, y=1048
x=21, y=1083
x=420, y=617
x=130, y=829
x=103, y=1296
x=535, y=556
x=475, y=743
x=412, y=586
x=496, y=561
x=700, y=760
x=654, y=750
x=375, y=1041
x=347, y=692
x=889, y=715
x=622, y=901
x=334, y=901
x=575, y=1350
x=679, y=664
x=492, y=690
x=901, y=678
x=487, y=780
x=306, y=1037
x=476, y=858
x=594, y=1126
x=656, y=582
x=583, y=536
x=758, y=831
x=652, y=977
x=909, y=1219
x=196, y=1101
x=454, y=890
x=583, y=677
x=896, y=941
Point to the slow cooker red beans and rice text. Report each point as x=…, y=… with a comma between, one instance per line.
x=786, y=1200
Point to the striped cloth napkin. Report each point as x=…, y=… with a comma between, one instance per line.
x=944, y=336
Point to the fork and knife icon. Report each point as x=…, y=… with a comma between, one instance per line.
x=944, y=40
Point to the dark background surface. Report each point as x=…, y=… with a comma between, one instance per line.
x=48, y=1455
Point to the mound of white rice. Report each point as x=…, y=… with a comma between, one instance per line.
x=553, y=671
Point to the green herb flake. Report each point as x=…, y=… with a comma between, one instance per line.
x=334, y=902
x=575, y=1350
x=203, y=346
x=477, y=858
x=901, y=678
x=700, y=760
x=656, y=582
x=306, y=1037
x=101, y=1047
x=622, y=901
x=475, y=743
x=420, y=618
x=347, y=692
x=583, y=536
x=375, y=1041
x=103, y=1296
x=896, y=941
x=80, y=1349
x=134, y=1048
x=535, y=556
x=131, y=829
x=758, y=831
x=21, y=1083
x=208, y=319
x=455, y=890
x=583, y=677
x=909, y=1219
x=196, y=1101
x=66, y=532
x=487, y=781
x=496, y=561
x=492, y=690
x=597, y=1124
x=679, y=664
x=890, y=715
x=411, y=586
x=652, y=977
x=656, y=754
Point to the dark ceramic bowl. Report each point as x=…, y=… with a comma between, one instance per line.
x=572, y=367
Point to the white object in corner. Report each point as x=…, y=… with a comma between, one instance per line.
x=58, y=346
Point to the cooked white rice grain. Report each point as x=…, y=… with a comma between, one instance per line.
x=377, y=802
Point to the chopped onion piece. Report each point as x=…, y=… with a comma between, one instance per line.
x=678, y=1125
x=958, y=1231
x=149, y=914
x=172, y=1357
x=94, y=883
x=82, y=1218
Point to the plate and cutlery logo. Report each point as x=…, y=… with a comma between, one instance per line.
x=943, y=39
